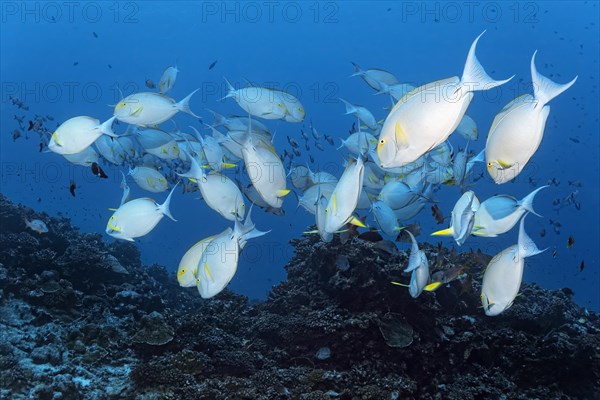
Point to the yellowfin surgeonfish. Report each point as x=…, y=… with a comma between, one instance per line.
x=149, y=179
x=151, y=109
x=265, y=169
x=78, y=133
x=462, y=219
x=419, y=266
x=500, y=213
x=518, y=129
x=188, y=266
x=425, y=117
x=343, y=200
x=167, y=80
x=218, y=263
x=138, y=217
x=362, y=113
x=218, y=191
x=503, y=275
x=258, y=101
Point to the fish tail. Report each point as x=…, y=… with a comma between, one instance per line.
x=545, y=89
x=357, y=70
x=219, y=119
x=230, y=90
x=527, y=247
x=474, y=76
x=164, y=207
x=184, y=105
x=527, y=201
x=444, y=232
x=349, y=107
x=106, y=127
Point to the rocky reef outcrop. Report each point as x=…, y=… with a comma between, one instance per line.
x=82, y=319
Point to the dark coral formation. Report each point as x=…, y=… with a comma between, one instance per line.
x=81, y=319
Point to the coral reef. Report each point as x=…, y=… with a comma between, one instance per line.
x=81, y=319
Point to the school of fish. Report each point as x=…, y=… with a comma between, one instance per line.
x=394, y=167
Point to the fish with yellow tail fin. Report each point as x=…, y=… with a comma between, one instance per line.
x=518, y=129
x=138, y=217
x=462, y=218
x=218, y=263
x=426, y=116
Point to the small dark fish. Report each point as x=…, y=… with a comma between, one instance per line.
x=31, y=125
x=553, y=182
x=96, y=170
x=16, y=134
x=150, y=84
x=303, y=134
x=543, y=232
x=574, y=140
x=570, y=242
x=318, y=146
x=212, y=64
x=292, y=142
x=109, y=66
x=72, y=188
x=311, y=158
x=297, y=152
x=581, y=266
x=50, y=117
x=437, y=214
x=41, y=146
x=577, y=205
x=329, y=139
x=370, y=236
x=532, y=181
x=306, y=146
x=95, y=35
x=76, y=63
x=575, y=183
x=554, y=253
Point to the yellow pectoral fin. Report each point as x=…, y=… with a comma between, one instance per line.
x=112, y=209
x=357, y=222
x=55, y=137
x=334, y=203
x=443, y=232
x=399, y=228
x=478, y=233
x=228, y=165
x=433, y=286
x=193, y=180
x=114, y=228
x=504, y=164
x=310, y=232
x=399, y=284
x=207, y=271
x=137, y=112
x=401, y=138
x=282, y=192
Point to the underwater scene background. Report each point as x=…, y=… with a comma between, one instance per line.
x=89, y=316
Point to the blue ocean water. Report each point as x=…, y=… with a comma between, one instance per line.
x=70, y=59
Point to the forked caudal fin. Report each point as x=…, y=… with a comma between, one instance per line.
x=184, y=105
x=545, y=89
x=527, y=201
x=527, y=247
x=164, y=207
x=474, y=76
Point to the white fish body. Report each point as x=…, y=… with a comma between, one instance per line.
x=37, y=225
x=425, y=117
x=167, y=80
x=311, y=196
x=320, y=217
x=86, y=158
x=218, y=263
x=294, y=108
x=344, y=198
x=258, y=101
x=397, y=194
x=362, y=113
x=78, y=133
x=462, y=218
x=467, y=128
x=376, y=78
x=149, y=179
x=504, y=273
x=500, y=213
x=518, y=129
x=137, y=217
x=188, y=266
x=150, y=109
x=218, y=191
x=419, y=265
x=360, y=142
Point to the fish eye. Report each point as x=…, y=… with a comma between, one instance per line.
x=382, y=141
x=490, y=164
